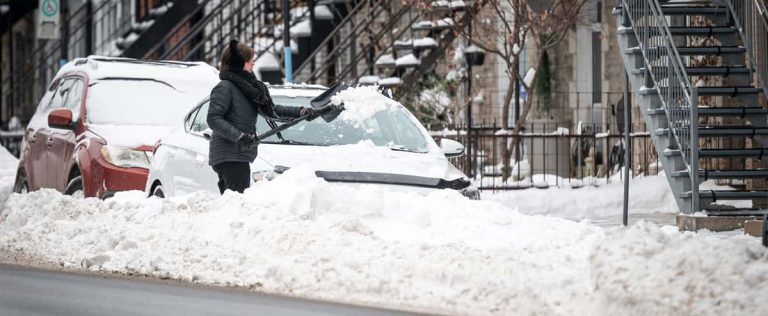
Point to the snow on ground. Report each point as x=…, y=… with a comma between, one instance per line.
x=299, y=235
x=646, y=195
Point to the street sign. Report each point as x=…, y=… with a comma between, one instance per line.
x=48, y=16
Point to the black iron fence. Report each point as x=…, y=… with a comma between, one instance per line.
x=548, y=155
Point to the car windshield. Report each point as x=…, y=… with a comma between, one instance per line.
x=141, y=101
x=394, y=128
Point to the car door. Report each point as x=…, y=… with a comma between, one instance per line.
x=35, y=148
x=197, y=153
x=61, y=142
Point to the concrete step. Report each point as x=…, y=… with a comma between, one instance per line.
x=727, y=195
x=696, y=50
x=729, y=111
x=722, y=131
x=713, y=91
x=725, y=174
x=699, y=71
x=723, y=153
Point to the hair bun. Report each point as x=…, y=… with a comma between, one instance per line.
x=236, y=62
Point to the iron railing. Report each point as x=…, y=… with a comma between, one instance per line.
x=751, y=19
x=550, y=155
x=666, y=72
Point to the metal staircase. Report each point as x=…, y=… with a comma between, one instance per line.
x=386, y=43
x=698, y=69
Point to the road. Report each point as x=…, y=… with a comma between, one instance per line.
x=25, y=291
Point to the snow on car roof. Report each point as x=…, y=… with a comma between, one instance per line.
x=98, y=67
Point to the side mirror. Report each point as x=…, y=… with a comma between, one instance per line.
x=207, y=133
x=61, y=118
x=451, y=148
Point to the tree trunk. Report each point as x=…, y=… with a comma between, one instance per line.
x=506, y=170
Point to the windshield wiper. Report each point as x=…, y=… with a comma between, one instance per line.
x=402, y=148
x=290, y=142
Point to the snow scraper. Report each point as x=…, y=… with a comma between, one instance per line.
x=323, y=108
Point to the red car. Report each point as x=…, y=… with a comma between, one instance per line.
x=94, y=129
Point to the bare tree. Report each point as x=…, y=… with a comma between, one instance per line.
x=543, y=23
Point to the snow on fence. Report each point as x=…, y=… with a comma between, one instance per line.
x=549, y=155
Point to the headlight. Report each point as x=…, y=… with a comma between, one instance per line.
x=125, y=157
x=263, y=175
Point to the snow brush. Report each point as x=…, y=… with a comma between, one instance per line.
x=323, y=108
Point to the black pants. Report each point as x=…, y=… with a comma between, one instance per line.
x=235, y=176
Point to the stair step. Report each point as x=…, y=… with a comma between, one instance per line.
x=722, y=131
x=729, y=111
x=725, y=174
x=726, y=195
x=723, y=153
x=704, y=71
x=701, y=31
x=696, y=50
x=717, y=91
x=684, y=30
x=684, y=10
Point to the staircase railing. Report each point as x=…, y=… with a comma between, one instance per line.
x=339, y=46
x=751, y=20
x=666, y=71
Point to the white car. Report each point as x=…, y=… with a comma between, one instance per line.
x=389, y=148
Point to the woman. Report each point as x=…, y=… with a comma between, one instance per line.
x=235, y=103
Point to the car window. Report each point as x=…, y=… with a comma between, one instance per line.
x=191, y=119
x=200, y=123
x=60, y=96
x=75, y=97
x=394, y=128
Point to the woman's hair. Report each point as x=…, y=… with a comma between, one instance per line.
x=236, y=61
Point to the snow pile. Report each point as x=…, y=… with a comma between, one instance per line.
x=8, y=166
x=439, y=252
x=362, y=102
x=647, y=270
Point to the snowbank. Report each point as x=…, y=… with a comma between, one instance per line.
x=367, y=244
x=8, y=166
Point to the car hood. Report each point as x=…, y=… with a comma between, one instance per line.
x=130, y=136
x=351, y=161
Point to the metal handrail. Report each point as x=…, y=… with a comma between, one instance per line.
x=328, y=38
x=666, y=70
x=751, y=19
x=393, y=21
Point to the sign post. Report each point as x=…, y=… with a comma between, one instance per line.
x=48, y=19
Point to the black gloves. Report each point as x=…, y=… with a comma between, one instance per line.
x=308, y=111
x=248, y=140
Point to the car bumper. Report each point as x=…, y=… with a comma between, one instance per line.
x=114, y=179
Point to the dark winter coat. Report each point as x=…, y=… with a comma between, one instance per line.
x=231, y=114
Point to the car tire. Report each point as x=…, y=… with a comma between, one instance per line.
x=158, y=191
x=21, y=185
x=75, y=187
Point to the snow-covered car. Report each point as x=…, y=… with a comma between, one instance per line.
x=363, y=146
x=95, y=127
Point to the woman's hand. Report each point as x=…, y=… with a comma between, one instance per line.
x=308, y=111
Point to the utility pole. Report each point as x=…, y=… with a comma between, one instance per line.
x=287, y=41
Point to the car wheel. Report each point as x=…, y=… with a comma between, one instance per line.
x=75, y=188
x=158, y=191
x=21, y=185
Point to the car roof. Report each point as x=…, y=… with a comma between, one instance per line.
x=101, y=67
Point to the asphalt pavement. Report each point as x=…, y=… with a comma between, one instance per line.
x=25, y=291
